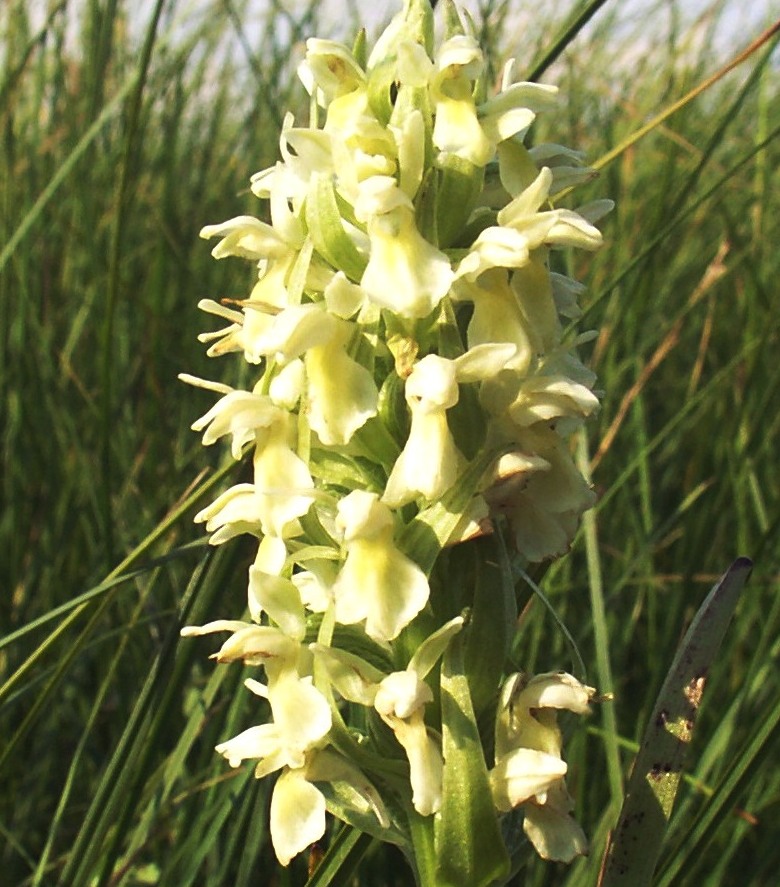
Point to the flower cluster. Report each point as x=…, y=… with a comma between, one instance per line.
x=414, y=388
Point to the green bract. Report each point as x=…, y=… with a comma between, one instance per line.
x=413, y=391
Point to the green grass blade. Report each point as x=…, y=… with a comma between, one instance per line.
x=337, y=868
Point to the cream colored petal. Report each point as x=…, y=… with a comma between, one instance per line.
x=314, y=589
x=425, y=761
x=297, y=815
x=521, y=774
x=287, y=385
x=405, y=273
x=434, y=382
x=541, y=534
x=282, y=480
x=553, y=833
x=296, y=329
x=256, y=742
x=429, y=462
x=301, y=713
x=189, y=631
x=240, y=414
x=342, y=297
x=381, y=585
x=457, y=129
x=362, y=515
x=484, y=361
x=329, y=67
x=556, y=690
x=342, y=393
x=260, y=645
x=495, y=247
x=498, y=317
x=247, y=237
x=234, y=512
x=528, y=202
x=402, y=693
x=544, y=397
x=410, y=139
x=280, y=599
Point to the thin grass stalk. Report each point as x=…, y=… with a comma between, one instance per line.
x=601, y=636
x=658, y=119
x=110, y=807
x=64, y=170
x=159, y=531
x=76, y=759
x=112, y=295
x=567, y=35
x=677, y=221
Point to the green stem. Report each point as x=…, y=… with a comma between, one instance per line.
x=424, y=863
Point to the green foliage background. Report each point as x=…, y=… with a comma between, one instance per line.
x=120, y=136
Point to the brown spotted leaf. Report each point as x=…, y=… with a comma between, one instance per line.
x=635, y=845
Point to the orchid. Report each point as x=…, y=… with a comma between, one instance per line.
x=413, y=388
x=529, y=770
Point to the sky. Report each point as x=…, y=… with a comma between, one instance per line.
x=637, y=24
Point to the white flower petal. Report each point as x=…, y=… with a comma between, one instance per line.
x=301, y=713
x=521, y=774
x=401, y=694
x=405, y=273
x=342, y=393
x=377, y=582
x=425, y=762
x=297, y=815
x=256, y=742
x=553, y=833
